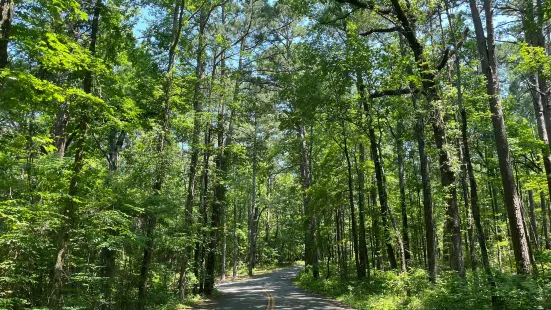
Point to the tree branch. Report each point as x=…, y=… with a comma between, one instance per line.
x=448, y=54
x=369, y=6
x=380, y=30
x=391, y=92
x=338, y=18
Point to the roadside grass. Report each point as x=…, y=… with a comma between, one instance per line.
x=389, y=290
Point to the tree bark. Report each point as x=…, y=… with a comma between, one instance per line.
x=532, y=21
x=381, y=186
x=486, y=48
x=545, y=221
x=6, y=17
x=364, y=261
x=108, y=255
x=402, y=186
x=310, y=220
x=430, y=229
x=194, y=158
x=453, y=220
x=220, y=203
x=253, y=211
x=354, y=224
x=235, y=239
x=475, y=208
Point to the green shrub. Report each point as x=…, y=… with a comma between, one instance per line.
x=412, y=290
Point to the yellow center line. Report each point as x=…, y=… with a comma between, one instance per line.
x=271, y=300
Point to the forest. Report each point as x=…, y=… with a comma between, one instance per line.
x=150, y=150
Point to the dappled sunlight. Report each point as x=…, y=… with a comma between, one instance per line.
x=251, y=294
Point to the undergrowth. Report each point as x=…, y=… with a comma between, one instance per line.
x=412, y=290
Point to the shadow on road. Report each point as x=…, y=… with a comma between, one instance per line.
x=252, y=294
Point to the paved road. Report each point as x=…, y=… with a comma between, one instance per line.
x=268, y=291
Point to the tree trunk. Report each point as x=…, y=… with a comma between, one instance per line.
x=363, y=257
x=267, y=227
x=6, y=17
x=532, y=22
x=364, y=262
x=59, y=130
x=533, y=19
x=310, y=221
x=402, y=186
x=430, y=228
x=108, y=255
x=381, y=186
x=453, y=220
x=545, y=221
x=352, y=208
x=377, y=257
x=150, y=218
x=197, y=108
x=70, y=208
x=475, y=208
x=488, y=62
x=533, y=225
x=220, y=203
x=202, y=246
x=253, y=211
x=235, y=239
x=150, y=223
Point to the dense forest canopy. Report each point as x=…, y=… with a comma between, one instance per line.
x=149, y=149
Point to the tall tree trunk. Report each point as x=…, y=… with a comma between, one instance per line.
x=381, y=186
x=6, y=17
x=150, y=221
x=533, y=225
x=70, y=208
x=235, y=239
x=197, y=109
x=59, y=130
x=402, y=186
x=310, y=221
x=364, y=261
x=545, y=221
x=532, y=21
x=253, y=211
x=486, y=49
x=430, y=228
x=108, y=255
x=202, y=245
x=220, y=203
x=150, y=218
x=267, y=227
x=453, y=219
x=354, y=224
x=377, y=257
x=475, y=208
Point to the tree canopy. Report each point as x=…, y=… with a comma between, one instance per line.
x=152, y=149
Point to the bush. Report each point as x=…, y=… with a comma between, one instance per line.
x=412, y=290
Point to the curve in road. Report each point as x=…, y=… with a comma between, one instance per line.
x=269, y=291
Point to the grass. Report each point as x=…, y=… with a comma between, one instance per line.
x=389, y=290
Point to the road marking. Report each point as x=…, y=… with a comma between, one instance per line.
x=271, y=300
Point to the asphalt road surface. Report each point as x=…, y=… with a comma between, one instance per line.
x=269, y=291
